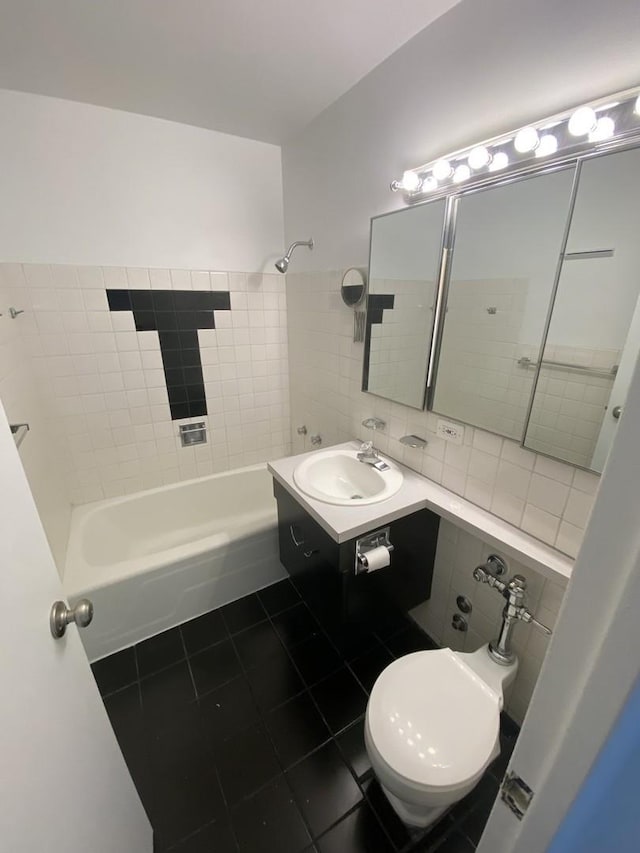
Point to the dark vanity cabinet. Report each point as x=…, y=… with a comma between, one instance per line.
x=327, y=570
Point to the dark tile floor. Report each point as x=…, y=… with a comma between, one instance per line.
x=243, y=731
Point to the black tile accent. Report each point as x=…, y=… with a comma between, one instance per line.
x=228, y=710
x=315, y=658
x=119, y=300
x=351, y=744
x=340, y=698
x=296, y=729
x=214, y=666
x=243, y=613
x=176, y=315
x=256, y=645
x=159, y=652
x=359, y=832
x=376, y=303
x=116, y=671
x=245, y=763
x=278, y=597
x=270, y=821
x=368, y=667
x=295, y=625
x=203, y=631
x=324, y=788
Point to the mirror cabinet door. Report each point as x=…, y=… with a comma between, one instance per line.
x=508, y=240
x=403, y=273
x=594, y=334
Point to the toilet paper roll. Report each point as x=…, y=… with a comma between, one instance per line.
x=377, y=558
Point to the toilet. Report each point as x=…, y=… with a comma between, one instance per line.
x=432, y=728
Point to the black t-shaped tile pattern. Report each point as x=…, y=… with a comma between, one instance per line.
x=176, y=315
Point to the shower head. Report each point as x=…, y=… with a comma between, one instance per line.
x=282, y=264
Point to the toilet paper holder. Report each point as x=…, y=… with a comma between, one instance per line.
x=377, y=539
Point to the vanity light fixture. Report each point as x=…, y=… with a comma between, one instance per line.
x=442, y=170
x=583, y=121
x=604, y=129
x=526, y=139
x=600, y=124
x=461, y=173
x=479, y=157
x=548, y=145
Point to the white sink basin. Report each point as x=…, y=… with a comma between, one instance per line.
x=338, y=477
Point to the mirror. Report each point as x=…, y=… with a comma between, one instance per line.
x=594, y=333
x=404, y=264
x=353, y=287
x=504, y=261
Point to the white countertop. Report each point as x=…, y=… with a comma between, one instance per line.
x=417, y=492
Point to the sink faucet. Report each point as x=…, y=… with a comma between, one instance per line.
x=369, y=455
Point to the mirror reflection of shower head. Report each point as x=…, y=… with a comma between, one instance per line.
x=282, y=264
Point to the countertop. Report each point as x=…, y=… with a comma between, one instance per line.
x=417, y=492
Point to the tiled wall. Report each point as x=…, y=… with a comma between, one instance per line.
x=457, y=555
x=478, y=377
x=570, y=405
x=40, y=450
x=548, y=499
x=398, y=343
x=104, y=382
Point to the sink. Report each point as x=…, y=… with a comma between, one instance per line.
x=338, y=477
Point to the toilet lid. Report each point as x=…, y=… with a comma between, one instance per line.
x=432, y=719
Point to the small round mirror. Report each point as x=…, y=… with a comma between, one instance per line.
x=353, y=287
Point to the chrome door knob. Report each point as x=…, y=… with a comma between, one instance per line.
x=616, y=412
x=61, y=616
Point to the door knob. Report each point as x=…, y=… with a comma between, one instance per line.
x=61, y=616
x=616, y=412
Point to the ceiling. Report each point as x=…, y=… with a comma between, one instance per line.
x=256, y=68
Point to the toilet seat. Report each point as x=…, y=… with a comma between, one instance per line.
x=433, y=722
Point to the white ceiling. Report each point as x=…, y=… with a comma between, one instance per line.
x=256, y=68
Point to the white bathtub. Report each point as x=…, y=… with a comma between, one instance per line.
x=154, y=559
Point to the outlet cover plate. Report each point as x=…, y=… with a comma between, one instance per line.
x=449, y=431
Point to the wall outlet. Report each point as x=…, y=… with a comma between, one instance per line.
x=450, y=431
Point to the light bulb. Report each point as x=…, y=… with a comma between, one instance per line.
x=429, y=184
x=526, y=140
x=410, y=181
x=636, y=109
x=583, y=121
x=500, y=161
x=462, y=173
x=548, y=145
x=479, y=157
x=604, y=129
x=442, y=170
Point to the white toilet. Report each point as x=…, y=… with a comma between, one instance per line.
x=432, y=728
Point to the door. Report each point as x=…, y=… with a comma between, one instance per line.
x=64, y=784
x=592, y=663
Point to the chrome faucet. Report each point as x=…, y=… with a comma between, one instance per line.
x=369, y=455
x=514, y=611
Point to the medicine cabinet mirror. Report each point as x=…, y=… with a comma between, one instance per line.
x=537, y=281
x=403, y=273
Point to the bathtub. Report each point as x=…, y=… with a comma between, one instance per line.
x=154, y=559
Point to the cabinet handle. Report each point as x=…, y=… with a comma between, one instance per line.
x=293, y=537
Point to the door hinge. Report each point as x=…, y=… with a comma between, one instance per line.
x=516, y=794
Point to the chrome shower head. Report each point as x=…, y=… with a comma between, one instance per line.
x=282, y=264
